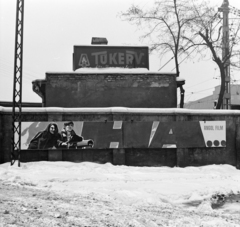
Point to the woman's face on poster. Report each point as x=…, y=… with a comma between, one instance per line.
x=52, y=129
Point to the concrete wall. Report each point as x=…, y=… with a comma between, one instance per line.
x=129, y=156
x=109, y=89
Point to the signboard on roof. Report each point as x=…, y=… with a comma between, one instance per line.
x=110, y=56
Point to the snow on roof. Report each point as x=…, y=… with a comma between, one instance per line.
x=126, y=110
x=180, y=79
x=115, y=70
x=109, y=46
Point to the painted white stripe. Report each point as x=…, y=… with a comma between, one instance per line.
x=117, y=125
x=78, y=127
x=153, y=131
x=169, y=146
x=114, y=145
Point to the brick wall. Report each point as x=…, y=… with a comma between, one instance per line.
x=104, y=90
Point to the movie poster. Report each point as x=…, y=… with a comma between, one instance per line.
x=123, y=134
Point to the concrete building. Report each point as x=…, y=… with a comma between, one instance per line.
x=209, y=102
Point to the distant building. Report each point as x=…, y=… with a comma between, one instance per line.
x=210, y=102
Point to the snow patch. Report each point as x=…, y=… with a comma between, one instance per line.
x=191, y=187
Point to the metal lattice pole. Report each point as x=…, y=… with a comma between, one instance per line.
x=17, y=85
x=225, y=52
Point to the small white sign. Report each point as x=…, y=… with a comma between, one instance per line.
x=214, y=133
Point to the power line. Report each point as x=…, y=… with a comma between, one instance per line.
x=166, y=63
x=185, y=57
x=198, y=92
x=200, y=83
x=9, y=64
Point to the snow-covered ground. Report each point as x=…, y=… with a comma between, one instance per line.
x=91, y=194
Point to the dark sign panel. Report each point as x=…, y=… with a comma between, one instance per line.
x=110, y=56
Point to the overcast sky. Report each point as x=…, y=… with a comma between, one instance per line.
x=53, y=27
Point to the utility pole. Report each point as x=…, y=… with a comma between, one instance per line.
x=17, y=85
x=225, y=52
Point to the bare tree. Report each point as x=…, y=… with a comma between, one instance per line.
x=223, y=49
x=165, y=25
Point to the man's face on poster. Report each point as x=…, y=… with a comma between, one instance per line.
x=69, y=127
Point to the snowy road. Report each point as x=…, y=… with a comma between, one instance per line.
x=94, y=195
x=21, y=206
